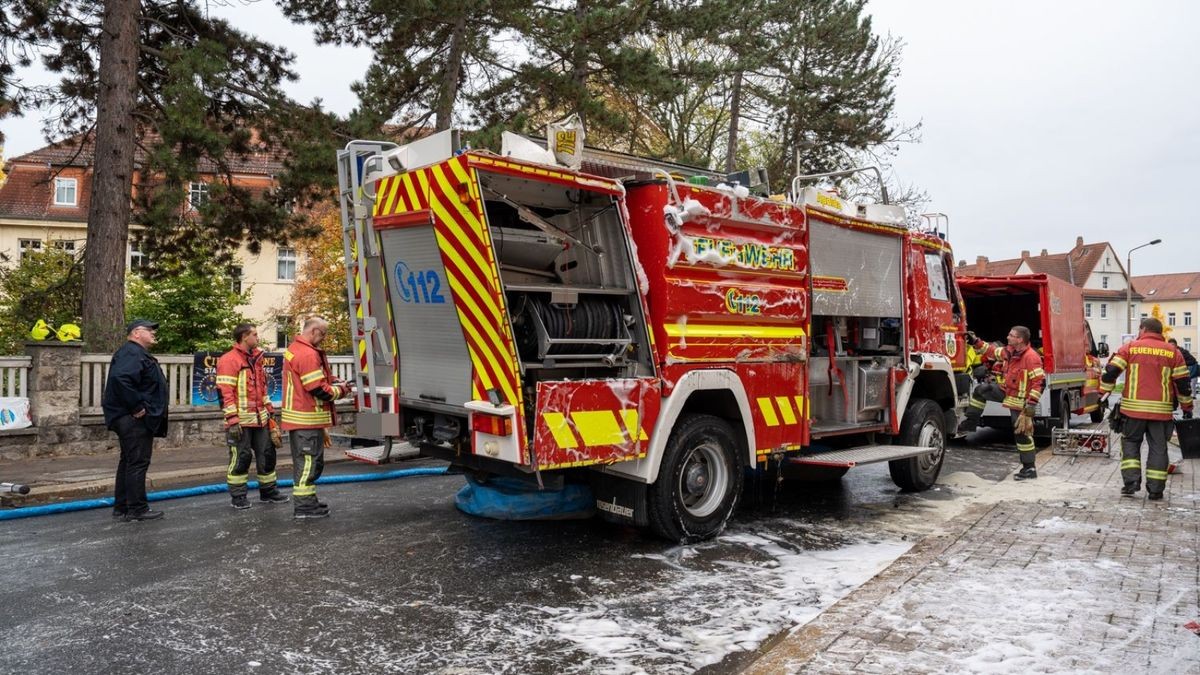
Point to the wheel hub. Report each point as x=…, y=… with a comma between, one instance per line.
x=695, y=477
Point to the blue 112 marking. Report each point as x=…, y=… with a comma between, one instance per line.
x=419, y=286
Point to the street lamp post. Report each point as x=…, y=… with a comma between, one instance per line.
x=1129, y=284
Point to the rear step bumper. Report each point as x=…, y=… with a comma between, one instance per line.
x=867, y=454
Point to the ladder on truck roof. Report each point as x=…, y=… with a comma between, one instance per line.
x=359, y=244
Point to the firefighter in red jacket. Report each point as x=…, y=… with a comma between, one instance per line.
x=1155, y=378
x=1020, y=392
x=309, y=391
x=242, y=382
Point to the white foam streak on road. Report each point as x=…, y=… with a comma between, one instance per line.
x=706, y=607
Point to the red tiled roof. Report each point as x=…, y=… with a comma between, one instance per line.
x=80, y=151
x=1169, y=286
x=29, y=194
x=1074, y=266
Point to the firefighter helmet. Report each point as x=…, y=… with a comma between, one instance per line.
x=40, y=330
x=69, y=332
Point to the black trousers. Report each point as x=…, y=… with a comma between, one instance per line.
x=1156, y=433
x=256, y=444
x=137, y=443
x=308, y=461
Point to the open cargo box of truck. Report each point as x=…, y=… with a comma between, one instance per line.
x=1052, y=309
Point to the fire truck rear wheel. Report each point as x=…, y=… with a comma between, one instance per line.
x=699, y=482
x=923, y=425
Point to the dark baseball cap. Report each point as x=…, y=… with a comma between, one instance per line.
x=141, y=323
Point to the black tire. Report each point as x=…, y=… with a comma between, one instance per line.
x=699, y=482
x=923, y=425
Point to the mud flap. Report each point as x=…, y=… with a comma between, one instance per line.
x=620, y=500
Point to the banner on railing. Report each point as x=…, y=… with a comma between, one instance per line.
x=14, y=412
x=204, y=378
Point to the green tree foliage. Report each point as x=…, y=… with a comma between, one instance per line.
x=196, y=96
x=320, y=287
x=47, y=285
x=196, y=311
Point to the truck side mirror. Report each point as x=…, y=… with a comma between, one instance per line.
x=1102, y=350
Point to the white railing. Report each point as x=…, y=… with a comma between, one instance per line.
x=14, y=375
x=176, y=368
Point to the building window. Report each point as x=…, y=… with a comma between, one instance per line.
x=283, y=331
x=29, y=245
x=1170, y=318
x=1104, y=281
x=197, y=195
x=1187, y=344
x=65, y=245
x=1144, y=315
x=65, y=192
x=235, y=279
x=1104, y=338
x=137, y=259
x=1103, y=310
x=1087, y=309
x=1187, y=318
x=287, y=263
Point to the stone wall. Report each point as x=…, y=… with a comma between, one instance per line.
x=59, y=429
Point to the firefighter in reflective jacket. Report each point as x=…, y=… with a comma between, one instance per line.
x=1020, y=392
x=309, y=391
x=1155, y=378
x=242, y=381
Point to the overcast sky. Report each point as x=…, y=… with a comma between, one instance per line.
x=1042, y=121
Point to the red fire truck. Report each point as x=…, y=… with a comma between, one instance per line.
x=629, y=324
x=1052, y=309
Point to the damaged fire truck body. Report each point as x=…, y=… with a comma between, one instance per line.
x=655, y=337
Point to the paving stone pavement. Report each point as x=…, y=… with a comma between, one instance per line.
x=1069, y=577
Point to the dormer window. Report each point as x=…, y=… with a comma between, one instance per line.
x=66, y=192
x=1152, y=291
x=1186, y=289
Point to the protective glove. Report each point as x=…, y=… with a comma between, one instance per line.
x=1030, y=411
x=971, y=338
x=981, y=373
x=233, y=434
x=1023, y=425
x=1187, y=414
x=276, y=436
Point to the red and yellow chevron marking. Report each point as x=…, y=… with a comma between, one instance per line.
x=450, y=191
x=785, y=410
x=596, y=428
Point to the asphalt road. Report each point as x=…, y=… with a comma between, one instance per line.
x=399, y=581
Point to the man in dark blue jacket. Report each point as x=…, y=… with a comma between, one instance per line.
x=135, y=407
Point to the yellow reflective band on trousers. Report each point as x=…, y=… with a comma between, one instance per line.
x=1131, y=464
x=267, y=478
x=1155, y=474
x=978, y=403
x=230, y=477
x=1026, y=447
x=304, y=488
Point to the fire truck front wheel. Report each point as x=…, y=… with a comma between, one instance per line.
x=699, y=482
x=923, y=425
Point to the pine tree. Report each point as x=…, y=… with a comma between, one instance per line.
x=162, y=88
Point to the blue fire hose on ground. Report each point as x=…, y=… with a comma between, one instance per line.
x=85, y=504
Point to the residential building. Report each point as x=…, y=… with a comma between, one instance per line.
x=1095, y=268
x=1178, y=300
x=45, y=202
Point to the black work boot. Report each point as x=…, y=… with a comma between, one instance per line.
x=1154, y=496
x=240, y=502
x=1130, y=489
x=968, y=425
x=309, y=507
x=273, y=497
x=1026, y=473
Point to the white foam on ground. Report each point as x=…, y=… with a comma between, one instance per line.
x=706, y=608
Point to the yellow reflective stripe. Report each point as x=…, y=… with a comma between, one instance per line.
x=1179, y=371
x=1147, y=406
x=978, y=403
x=226, y=379
x=303, y=417
x=1131, y=464
x=598, y=427
x=1118, y=362
x=768, y=412
x=1037, y=372
x=229, y=475
x=1014, y=400
x=785, y=407
x=230, y=410
x=712, y=330
x=303, y=488
x=556, y=422
x=267, y=478
x=313, y=376
x=1155, y=474
x=630, y=417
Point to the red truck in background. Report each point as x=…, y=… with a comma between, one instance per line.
x=1052, y=309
